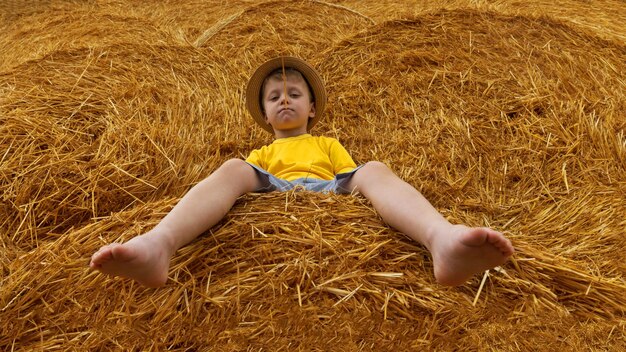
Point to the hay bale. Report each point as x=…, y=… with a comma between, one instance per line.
x=109, y=112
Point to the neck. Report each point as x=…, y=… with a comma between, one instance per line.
x=278, y=134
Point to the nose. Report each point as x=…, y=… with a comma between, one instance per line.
x=284, y=99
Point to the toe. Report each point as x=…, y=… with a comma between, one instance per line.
x=102, y=255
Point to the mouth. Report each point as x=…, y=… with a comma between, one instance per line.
x=284, y=109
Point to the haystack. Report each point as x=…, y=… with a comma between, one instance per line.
x=502, y=115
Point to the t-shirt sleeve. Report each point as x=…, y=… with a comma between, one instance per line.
x=255, y=158
x=340, y=158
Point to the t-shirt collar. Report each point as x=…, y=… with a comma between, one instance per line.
x=291, y=139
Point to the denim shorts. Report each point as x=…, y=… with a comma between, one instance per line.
x=337, y=185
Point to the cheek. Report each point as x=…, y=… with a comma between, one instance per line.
x=269, y=108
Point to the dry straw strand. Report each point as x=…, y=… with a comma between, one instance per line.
x=507, y=114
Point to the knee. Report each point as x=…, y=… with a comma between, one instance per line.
x=371, y=172
x=376, y=168
x=236, y=171
x=234, y=164
x=234, y=167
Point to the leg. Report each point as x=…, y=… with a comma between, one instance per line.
x=146, y=258
x=458, y=251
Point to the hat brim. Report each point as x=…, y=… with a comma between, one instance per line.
x=255, y=84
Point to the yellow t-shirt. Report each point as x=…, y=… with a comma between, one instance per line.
x=303, y=156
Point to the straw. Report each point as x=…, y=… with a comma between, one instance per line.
x=504, y=114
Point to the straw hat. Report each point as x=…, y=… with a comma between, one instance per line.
x=253, y=91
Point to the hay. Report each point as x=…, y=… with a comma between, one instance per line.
x=502, y=117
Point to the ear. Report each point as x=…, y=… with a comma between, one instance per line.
x=312, y=110
x=264, y=113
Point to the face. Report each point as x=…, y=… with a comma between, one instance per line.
x=288, y=114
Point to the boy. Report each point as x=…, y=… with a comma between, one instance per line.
x=286, y=97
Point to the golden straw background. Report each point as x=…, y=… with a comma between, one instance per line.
x=506, y=114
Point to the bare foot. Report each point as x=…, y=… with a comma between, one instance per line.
x=144, y=259
x=464, y=252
